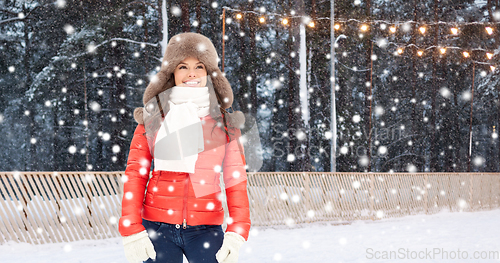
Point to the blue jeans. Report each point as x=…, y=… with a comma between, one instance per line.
x=198, y=243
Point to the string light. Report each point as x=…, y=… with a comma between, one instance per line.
x=365, y=26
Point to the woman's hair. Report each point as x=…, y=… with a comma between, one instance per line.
x=223, y=112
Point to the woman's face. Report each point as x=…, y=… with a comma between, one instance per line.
x=190, y=73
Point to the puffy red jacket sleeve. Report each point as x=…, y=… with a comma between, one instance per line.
x=134, y=183
x=235, y=181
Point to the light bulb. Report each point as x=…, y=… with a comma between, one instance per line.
x=489, y=30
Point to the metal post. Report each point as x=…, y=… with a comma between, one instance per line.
x=470, y=123
x=223, y=34
x=333, y=122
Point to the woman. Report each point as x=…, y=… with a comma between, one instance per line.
x=187, y=133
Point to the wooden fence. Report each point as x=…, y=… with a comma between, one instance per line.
x=48, y=207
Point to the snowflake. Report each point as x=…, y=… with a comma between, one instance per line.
x=301, y=135
x=306, y=244
x=106, y=136
x=379, y=110
x=91, y=48
x=363, y=161
x=382, y=150
x=478, y=161
x=116, y=148
x=344, y=150
x=380, y=214
x=382, y=42
x=310, y=213
x=77, y=210
x=356, y=184
x=411, y=168
x=72, y=149
x=176, y=11
x=67, y=248
x=129, y=195
x=462, y=203
x=69, y=29
x=356, y=118
x=466, y=95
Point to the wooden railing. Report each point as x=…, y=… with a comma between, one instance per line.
x=47, y=207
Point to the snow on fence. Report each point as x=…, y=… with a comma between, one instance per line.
x=48, y=207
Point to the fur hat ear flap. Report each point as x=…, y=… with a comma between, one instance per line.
x=138, y=115
x=157, y=85
x=223, y=88
x=236, y=119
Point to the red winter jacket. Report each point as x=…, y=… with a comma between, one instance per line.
x=170, y=196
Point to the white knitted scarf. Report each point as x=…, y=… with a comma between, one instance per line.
x=180, y=137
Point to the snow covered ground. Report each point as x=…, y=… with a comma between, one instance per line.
x=442, y=237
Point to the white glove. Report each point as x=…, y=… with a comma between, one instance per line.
x=230, y=249
x=138, y=247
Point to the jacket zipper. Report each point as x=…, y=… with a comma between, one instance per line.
x=184, y=209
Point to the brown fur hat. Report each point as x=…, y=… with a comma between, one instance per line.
x=180, y=47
